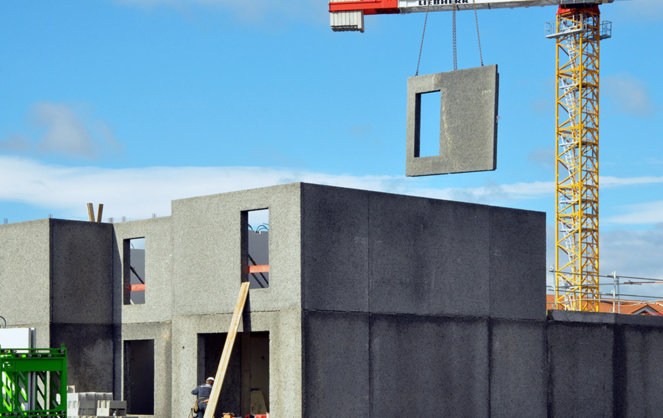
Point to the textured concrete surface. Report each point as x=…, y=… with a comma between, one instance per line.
x=639, y=379
x=89, y=354
x=468, y=121
x=162, y=335
x=336, y=362
x=285, y=351
x=428, y=257
x=423, y=366
x=517, y=264
x=518, y=369
x=81, y=272
x=158, y=270
x=335, y=272
x=207, y=244
x=581, y=370
x=25, y=274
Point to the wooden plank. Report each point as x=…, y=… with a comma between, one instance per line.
x=227, y=350
x=101, y=210
x=90, y=212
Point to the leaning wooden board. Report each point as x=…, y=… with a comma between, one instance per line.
x=227, y=349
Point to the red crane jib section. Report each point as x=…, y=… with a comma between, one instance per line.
x=370, y=7
x=567, y=10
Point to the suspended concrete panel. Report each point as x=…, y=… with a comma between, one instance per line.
x=468, y=121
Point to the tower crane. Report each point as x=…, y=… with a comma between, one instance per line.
x=577, y=32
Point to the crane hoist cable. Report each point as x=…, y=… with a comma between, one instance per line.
x=455, y=51
x=476, y=19
x=453, y=28
x=421, y=47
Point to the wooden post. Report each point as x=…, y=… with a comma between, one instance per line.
x=90, y=211
x=227, y=350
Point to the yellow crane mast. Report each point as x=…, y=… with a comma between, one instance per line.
x=578, y=32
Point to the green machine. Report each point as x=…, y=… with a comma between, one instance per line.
x=33, y=382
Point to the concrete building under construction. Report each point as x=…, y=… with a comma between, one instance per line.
x=376, y=305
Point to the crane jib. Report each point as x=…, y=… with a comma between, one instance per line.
x=371, y=7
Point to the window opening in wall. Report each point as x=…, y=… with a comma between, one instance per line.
x=246, y=386
x=134, y=271
x=256, y=237
x=427, y=128
x=139, y=376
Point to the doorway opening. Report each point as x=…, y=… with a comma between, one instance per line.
x=246, y=386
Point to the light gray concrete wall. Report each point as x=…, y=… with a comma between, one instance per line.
x=285, y=356
x=158, y=271
x=25, y=277
x=468, y=121
x=208, y=256
x=162, y=335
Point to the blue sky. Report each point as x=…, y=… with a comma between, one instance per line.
x=134, y=103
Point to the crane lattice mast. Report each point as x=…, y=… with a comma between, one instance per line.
x=578, y=32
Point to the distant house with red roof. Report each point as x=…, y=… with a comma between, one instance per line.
x=624, y=306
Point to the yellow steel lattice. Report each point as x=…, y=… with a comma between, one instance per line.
x=577, y=154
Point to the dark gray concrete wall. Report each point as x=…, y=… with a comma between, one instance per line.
x=81, y=272
x=382, y=253
x=89, y=354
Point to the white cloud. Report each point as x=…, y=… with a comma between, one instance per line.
x=639, y=214
x=138, y=192
x=628, y=94
x=65, y=130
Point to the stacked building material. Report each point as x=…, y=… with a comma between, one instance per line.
x=94, y=405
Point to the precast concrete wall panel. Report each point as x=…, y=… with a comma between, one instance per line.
x=25, y=284
x=335, y=248
x=641, y=381
x=429, y=366
x=89, y=354
x=517, y=264
x=518, y=369
x=207, y=243
x=159, y=259
x=81, y=268
x=336, y=364
x=468, y=121
x=428, y=257
x=581, y=369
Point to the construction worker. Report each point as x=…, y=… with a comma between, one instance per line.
x=202, y=393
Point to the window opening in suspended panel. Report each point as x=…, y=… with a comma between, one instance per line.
x=134, y=271
x=427, y=128
x=256, y=239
